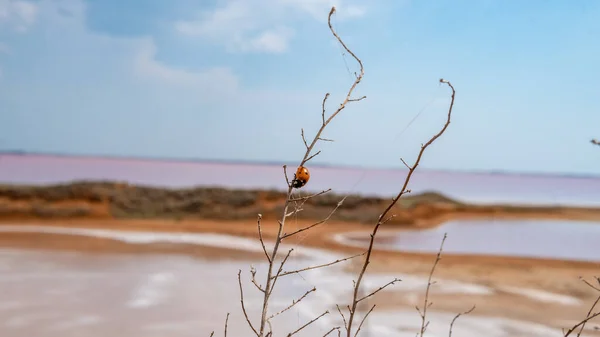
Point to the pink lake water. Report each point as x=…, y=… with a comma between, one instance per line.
x=52, y=294
x=472, y=187
x=547, y=239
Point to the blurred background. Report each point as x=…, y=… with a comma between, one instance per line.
x=139, y=140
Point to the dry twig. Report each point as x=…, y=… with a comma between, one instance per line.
x=589, y=315
x=427, y=304
x=243, y=306
x=384, y=216
x=321, y=266
x=272, y=276
x=307, y=324
x=456, y=317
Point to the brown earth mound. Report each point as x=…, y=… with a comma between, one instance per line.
x=107, y=200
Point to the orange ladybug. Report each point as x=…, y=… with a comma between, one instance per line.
x=301, y=177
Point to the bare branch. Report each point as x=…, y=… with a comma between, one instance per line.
x=274, y=278
x=339, y=204
x=348, y=99
x=270, y=280
x=307, y=324
x=304, y=139
x=427, y=304
x=357, y=99
x=242, y=302
x=343, y=317
x=363, y=320
x=321, y=265
x=405, y=164
x=591, y=308
x=311, y=196
x=325, y=139
x=384, y=215
x=287, y=180
x=332, y=330
x=253, y=272
x=260, y=237
x=294, y=302
x=591, y=285
x=297, y=210
x=226, y=321
x=456, y=317
x=379, y=289
x=595, y=142
x=311, y=157
x=570, y=331
x=323, y=106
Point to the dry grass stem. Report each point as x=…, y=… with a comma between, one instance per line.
x=226, y=322
x=427, y=304
x=456, y=317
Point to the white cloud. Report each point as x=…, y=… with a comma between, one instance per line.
x=135, y=58
x=261, y=25
x=146, y=65
x=18, y=14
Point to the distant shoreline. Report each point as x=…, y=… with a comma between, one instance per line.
x=281, y=163
x=116, y=200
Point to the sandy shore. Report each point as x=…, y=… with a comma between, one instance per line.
x=543, y=291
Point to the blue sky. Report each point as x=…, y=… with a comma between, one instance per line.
x=237, y=79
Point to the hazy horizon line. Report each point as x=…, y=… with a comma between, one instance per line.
x=265, y=162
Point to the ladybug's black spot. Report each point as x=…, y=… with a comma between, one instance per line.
x=297, y=183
